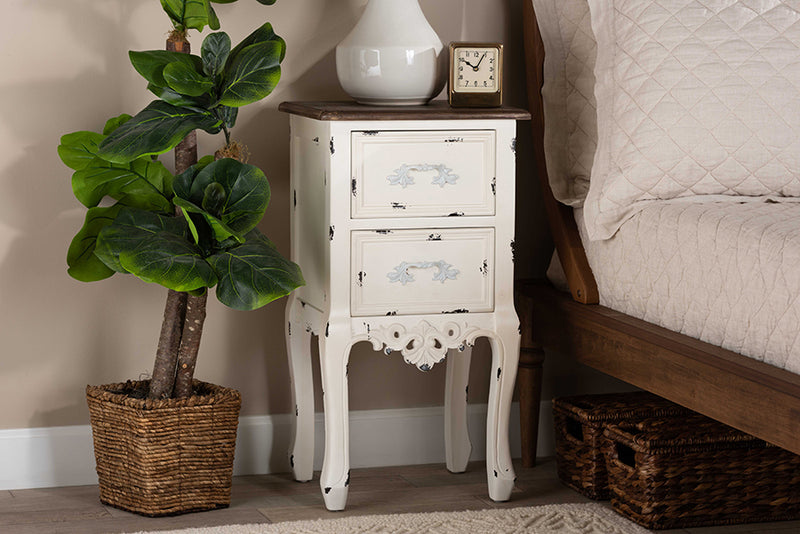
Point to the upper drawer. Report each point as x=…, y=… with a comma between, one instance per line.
x=423, y=173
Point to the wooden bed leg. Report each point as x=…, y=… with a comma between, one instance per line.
x=529, y=380
x=529, y=377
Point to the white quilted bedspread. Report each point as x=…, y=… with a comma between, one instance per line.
x=725, y=273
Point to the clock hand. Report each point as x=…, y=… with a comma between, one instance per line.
x=468, y=63
x=475, y=67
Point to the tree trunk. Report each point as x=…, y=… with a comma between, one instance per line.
x=190, y=344
x=163, y=380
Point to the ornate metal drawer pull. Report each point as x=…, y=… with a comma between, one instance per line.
x=444, y=272
x=402, y=177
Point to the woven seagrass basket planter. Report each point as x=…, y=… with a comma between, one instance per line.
x=579, y=422
x=164, y=457
x=693, y=471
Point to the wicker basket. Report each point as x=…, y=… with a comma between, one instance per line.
x=693, y=471
x=164, y=457
x=579, y=422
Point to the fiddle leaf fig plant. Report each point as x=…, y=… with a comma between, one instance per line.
x=195, y=230
x=196, y=92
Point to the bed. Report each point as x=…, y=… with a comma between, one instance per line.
x=690, y=290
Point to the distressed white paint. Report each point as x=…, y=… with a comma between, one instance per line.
x=332, y=163
x=422, y=173
x=376, y=258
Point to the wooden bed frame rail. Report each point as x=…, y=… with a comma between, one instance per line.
x=562, y=222
x=750, y=395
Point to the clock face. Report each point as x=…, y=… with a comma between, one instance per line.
x=475, y=70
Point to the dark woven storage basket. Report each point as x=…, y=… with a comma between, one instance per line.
x=579, y=422
x=693, y=471
x=164, y=457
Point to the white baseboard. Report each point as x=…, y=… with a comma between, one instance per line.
x=63, y=456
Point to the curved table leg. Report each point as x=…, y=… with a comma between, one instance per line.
x=505, y=357
x=334, y=353
x=298, y=346
x=456, y=435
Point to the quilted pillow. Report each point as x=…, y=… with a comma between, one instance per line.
x=570, y=114
x=696, y=99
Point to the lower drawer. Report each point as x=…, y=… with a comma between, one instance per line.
x=408, y=272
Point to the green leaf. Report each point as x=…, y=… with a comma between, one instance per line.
x=254, y=274
x=171, y=97
x=214, y=198
x=184, y=80
x=214, y=52
x=156, y=173
x=213, y=20
x=115, y=122
x=154, y=130
x=202, y=233
x=155, y=249
x=203, y=162
x=245, y=189
x=174, y=8
x=228, y=115
x=262, y=34
x=82, y=262
x=252, y=75
x=142, y=183
x=197, y=15
x=151, y=64
x=79, y=149
x=192, y=14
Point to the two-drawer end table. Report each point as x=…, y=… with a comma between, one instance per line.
x=403, y=226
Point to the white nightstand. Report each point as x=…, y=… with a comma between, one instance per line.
x=403, y=225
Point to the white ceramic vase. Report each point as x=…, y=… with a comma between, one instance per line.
x=392, y=56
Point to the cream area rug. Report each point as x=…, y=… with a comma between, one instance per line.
x=551, y=519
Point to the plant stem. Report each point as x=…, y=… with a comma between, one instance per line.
x=163, y=380
x=190, y=344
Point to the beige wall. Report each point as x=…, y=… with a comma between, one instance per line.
x=64, y=68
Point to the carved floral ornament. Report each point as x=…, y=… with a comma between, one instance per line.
x=424, y=345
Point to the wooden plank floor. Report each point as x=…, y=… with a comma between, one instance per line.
x=275, y=498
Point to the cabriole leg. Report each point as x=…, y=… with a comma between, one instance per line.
x=456, y=435
x=298, y=346
x=334, y=353
x=499, y=470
